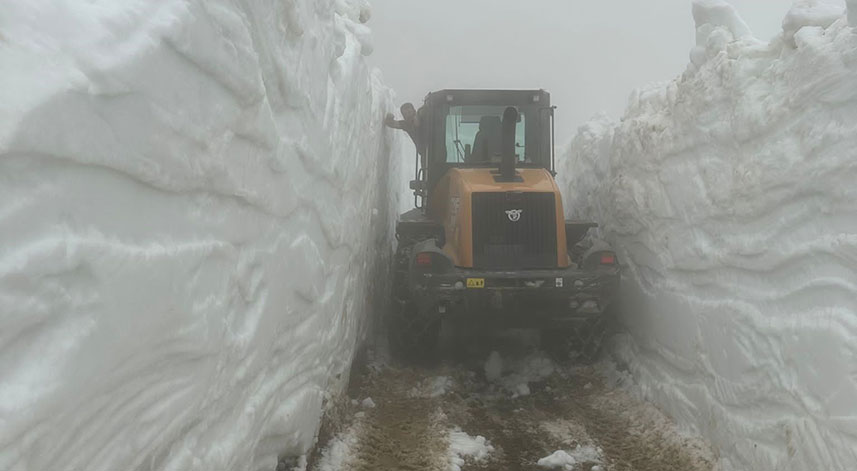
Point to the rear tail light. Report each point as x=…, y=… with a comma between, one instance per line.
x=424, y=259
x=605, y=259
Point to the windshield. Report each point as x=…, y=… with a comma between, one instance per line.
x=474, y=135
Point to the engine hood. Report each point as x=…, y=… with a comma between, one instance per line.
x=451, y=206
x=478, y=180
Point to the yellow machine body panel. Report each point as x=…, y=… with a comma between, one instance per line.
x=451, y=206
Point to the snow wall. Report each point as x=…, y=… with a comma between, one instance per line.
x=195, y=220
x=730, y=195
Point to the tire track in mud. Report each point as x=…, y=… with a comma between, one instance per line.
x=570, y=407
x=632, y=435
x=402, y=431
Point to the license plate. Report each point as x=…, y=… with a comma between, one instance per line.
x=476, y=282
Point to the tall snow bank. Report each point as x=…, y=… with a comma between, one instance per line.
x=730, y=195
x=194, y=220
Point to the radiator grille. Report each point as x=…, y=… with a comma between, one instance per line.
x=503, y=241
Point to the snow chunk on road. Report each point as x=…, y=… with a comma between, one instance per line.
x=494, y=367
x=531, y=368
x=340, y=453
x=566, y=461
x=368, y=403
x=522, y=389
x=559, y=459
x=464, y=448
x=432, y=387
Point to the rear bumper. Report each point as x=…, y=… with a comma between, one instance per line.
x=525, y=298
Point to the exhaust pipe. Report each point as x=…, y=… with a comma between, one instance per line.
x=507, y=163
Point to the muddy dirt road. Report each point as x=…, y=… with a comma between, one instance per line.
x=503, y=406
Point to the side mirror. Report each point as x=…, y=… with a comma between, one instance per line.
x=406, y=108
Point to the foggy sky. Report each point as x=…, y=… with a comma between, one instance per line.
x=589, y=54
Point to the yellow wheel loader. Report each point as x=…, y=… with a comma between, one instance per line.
x=487, y=244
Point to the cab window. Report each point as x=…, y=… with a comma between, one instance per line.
x=474, y=135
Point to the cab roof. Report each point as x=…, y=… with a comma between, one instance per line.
x=489, y=97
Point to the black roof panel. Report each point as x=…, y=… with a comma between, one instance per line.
x=489, y=97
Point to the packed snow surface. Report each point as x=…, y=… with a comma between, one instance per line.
x=194, y=216
x=730, y=195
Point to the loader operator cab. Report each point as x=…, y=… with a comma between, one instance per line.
x=465, y=129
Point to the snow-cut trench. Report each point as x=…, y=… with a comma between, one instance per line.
x=196, y=202
x=195, y=220
x=730, y=195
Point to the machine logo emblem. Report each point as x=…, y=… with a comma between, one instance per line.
x=514, y=214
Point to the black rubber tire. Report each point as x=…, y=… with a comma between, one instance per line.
x=412, y=335
x=581, y=343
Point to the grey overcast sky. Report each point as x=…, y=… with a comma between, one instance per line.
x=589, y=54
